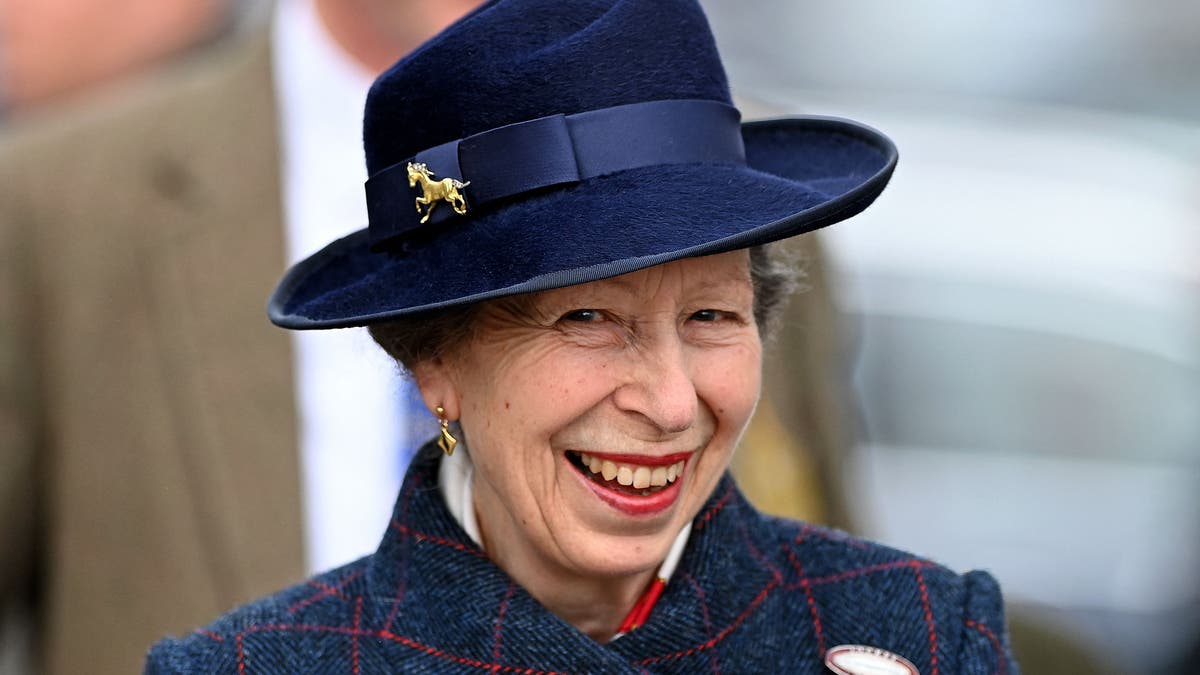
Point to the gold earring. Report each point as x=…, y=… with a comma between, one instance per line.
x=446, y=441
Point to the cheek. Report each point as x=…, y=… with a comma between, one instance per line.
x=730, y=386
x=525, y=394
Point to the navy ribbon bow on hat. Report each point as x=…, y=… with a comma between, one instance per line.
x=557, y=150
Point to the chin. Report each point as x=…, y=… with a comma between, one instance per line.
x=608, y=556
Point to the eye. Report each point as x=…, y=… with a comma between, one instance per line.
x=583, y=316
x=707, y=315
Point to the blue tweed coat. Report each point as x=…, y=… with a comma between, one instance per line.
x=752, y=594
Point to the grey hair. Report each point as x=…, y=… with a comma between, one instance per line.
x=775, y=276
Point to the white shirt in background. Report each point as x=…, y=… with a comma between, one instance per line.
x=350, y=397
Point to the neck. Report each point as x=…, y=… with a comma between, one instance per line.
x=376, y=33
x=596, y=606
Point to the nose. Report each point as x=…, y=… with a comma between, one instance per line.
x=660, y=388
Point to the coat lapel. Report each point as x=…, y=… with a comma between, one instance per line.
x=433, y=590
x=219, y=252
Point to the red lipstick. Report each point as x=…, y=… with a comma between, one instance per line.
x=641, y=460
x=635, y=504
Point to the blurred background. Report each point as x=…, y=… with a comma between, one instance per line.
x=1024, y=297
x=1023, y=301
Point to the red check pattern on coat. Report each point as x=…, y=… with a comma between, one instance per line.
x=753, y=594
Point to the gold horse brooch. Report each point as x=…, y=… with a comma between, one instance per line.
x=434, y=191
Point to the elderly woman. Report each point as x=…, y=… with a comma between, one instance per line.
x=566, y=250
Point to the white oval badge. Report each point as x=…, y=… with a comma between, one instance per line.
x=864, y=660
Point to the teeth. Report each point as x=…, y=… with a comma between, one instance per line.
x=608, y=470
x=624, y=475
x=639, y=477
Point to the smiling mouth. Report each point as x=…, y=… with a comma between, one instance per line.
x=631, y=479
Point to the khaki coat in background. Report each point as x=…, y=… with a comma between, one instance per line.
x=148, y=470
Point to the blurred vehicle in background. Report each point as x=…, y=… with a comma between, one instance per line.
x=1025, y=297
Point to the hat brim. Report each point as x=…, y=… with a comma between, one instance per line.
x=802, y=173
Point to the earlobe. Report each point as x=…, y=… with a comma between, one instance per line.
x=435, y=380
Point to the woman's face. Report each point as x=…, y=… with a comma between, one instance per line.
x=600, y=417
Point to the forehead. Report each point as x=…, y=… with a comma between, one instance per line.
x=717, y=274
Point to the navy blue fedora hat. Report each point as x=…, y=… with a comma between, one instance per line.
x=537, y=144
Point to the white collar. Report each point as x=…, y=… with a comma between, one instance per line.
x=454, y=481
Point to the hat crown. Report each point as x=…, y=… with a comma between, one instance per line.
x=517, y=60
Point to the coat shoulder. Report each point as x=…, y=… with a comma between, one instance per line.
x=855, y=591
x=326, y=601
